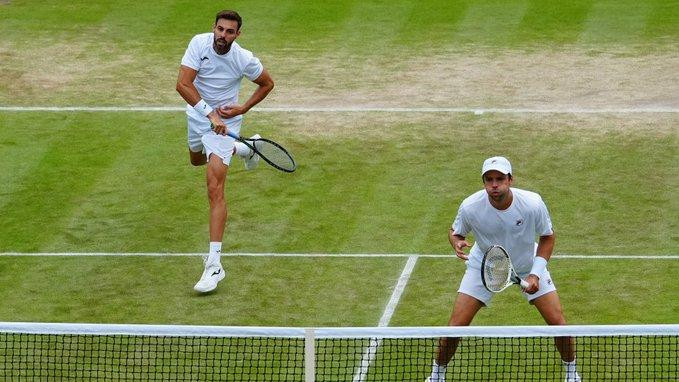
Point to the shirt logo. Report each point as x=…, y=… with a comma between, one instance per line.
x=519, y=222
x=204, y=58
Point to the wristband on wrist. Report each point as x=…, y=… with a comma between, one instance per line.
x=539, y=265
x=203, y=108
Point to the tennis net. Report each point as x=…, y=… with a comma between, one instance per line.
x=41, y=351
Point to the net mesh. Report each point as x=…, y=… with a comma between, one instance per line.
x=143, y=358
x=186, y=357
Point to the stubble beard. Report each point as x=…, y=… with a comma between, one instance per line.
x=221, y=48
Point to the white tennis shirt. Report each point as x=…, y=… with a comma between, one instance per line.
x=514, y=228
x=219, y=76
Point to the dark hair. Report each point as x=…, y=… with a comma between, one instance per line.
x=229, y=15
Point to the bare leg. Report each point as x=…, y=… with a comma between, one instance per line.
x=197, y=158
x=549, y=307
x=216, y=177
x=463, y=313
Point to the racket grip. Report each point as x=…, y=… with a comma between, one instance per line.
x=523, y=284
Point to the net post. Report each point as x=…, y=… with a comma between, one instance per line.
x=309, y=355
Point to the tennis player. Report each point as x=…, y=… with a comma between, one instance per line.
x=512, y=218
x=209, y=80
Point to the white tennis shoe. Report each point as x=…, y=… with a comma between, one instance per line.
x=252, y=161
x=213, y=274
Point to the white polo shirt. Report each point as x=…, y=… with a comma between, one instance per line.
x=514, y=228
x=219, y=76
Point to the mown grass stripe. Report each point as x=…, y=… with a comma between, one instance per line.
x=608, y=23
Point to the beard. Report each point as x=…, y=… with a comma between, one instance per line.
x=221, y=46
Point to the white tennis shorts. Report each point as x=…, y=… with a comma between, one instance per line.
x=472, y=285
x=201, y=138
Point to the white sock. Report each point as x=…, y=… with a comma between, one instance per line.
x=215, y=253
x=242, y=150
x=438, y=373
x=570, y=367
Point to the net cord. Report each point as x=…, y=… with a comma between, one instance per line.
x=338, y=332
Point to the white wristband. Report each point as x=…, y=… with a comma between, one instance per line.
x=203, y=108
x=539, y=265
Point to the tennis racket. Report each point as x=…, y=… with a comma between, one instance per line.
x=273, y=153
x=497, y=271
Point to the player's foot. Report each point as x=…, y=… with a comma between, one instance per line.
x=213, y=274
x=252, y=160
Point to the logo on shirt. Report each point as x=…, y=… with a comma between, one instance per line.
x=549, y=281
x=204, y=58
x=519, y=222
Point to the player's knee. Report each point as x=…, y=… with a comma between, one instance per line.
x=555, y=317
x=215, y=191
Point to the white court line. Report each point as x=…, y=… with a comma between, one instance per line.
x=359, y=109
x=371, y=351
x=376, y=255
x=398, y=291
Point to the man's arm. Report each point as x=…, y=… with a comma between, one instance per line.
x=544, y=252
x=188, y=91
x=546, y=246
x=458, y=242
x=265, y=83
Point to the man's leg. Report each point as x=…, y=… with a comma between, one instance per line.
x=216, y=178
x=463, y=313
x=549, y=307
x=197, y=158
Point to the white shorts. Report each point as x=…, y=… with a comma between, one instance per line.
x=201, y=138
x=472, y=285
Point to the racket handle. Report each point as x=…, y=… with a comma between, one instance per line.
x=232, y=135
x=524, y=284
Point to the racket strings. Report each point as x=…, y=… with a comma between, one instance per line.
x=275, y=154
x=496, y=270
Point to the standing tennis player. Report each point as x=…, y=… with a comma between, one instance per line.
x=209, y=80
x=512, y=218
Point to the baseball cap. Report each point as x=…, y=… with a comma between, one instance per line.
x=497, y=163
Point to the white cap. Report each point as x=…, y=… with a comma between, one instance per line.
x=497, y=163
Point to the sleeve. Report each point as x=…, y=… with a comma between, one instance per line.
x=543, y=224
x=192, y=55
x=461, y=224
x=253, y=68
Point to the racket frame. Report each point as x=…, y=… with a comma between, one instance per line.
x=512, y=277
x=251, y=144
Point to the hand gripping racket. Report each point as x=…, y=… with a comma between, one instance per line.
x=497, y=272
x=273, y=153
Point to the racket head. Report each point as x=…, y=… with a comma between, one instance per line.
x=496, y=269
x=273, y=153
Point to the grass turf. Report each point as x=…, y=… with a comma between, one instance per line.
x=373, y=182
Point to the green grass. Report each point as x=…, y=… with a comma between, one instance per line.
x=140, y=194
x=367, y=182
x=92, y=47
